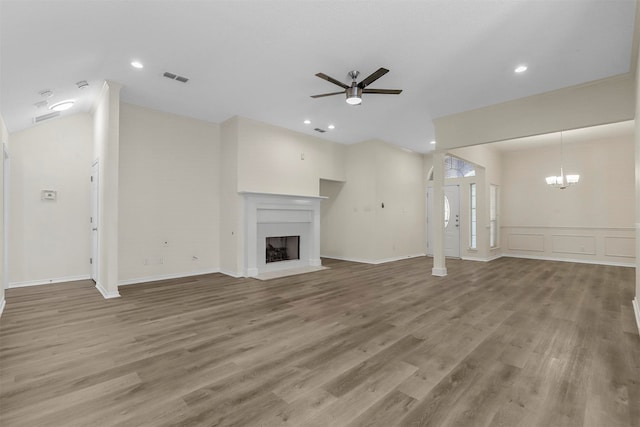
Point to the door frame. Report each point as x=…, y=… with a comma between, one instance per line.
x=94, y=222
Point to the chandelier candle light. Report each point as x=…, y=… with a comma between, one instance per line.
x=563, y=181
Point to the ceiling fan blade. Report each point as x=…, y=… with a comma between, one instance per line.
x=373, y=77
x=327, y=94
x=332, y=80
x=383, y=91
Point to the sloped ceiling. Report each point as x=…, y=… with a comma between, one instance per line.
x=258, y=58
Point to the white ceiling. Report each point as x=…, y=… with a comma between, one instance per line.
x=258, y=58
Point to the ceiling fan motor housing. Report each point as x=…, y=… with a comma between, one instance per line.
x=354, y=94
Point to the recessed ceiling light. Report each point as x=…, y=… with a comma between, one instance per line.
x=307, y=122
x=520, y=69
x=62, y=105
x=433, y=142
x=137, y=64
x=331, y=127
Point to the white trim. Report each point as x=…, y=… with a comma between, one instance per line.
x=439, y=271
x=569, y=227
x=580, y=261
x=373, y=262
x=147, y=279
x=489, y=259
x=295, y=196
x=636, y=309
x=230, y=274
x=105, y=294
x=264, y=213
x=2, y=304
x=48, y=281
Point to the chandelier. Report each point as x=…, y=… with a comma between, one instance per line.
x=562, y=181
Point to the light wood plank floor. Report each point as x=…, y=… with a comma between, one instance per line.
x=508, y=343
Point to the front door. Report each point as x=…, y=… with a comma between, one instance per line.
x=451, y=221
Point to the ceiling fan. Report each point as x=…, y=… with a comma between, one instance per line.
x=355, y=91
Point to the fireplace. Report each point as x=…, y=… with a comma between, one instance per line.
x=282, y=248
x=293, y=222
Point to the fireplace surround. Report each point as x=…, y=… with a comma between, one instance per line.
x=280, y=215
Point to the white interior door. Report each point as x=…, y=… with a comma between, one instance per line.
x=451, y=221
x=94, y=222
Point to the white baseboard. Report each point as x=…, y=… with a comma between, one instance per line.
x=580, y=261
x=636, y=310
x=230, y=274
x=374, y=262
x=139, y=280
x=439, y=271
x=488, y=259
x=105, y=294
x=2, y=304
x=48, y=281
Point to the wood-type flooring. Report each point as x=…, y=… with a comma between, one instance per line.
x=511, y=342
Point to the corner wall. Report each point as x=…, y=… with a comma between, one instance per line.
x=355, y=225
x=168, y=195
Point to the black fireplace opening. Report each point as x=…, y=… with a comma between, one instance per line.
x=282, y=248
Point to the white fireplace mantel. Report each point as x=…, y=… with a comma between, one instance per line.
x=270, y=215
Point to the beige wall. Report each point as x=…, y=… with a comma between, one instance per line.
x=355, y=226
x=168, y=192
x=4, y=141
x=49, y=240
x=637, y=173
x=277, y=160
x=592, y=221
x=600, y=102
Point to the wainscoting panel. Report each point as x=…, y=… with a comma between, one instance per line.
x=526, y=242
x=620, y=247
x=577, y=245
x=598, y=245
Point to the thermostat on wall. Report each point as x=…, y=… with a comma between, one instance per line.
x=48, y=195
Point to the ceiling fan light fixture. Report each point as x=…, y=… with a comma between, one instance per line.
x=354, y=95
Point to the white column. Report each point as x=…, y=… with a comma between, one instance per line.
x=439, y=267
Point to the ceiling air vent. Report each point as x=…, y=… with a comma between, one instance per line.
x=44, y=117
x=176, y=77
x=320, y=130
